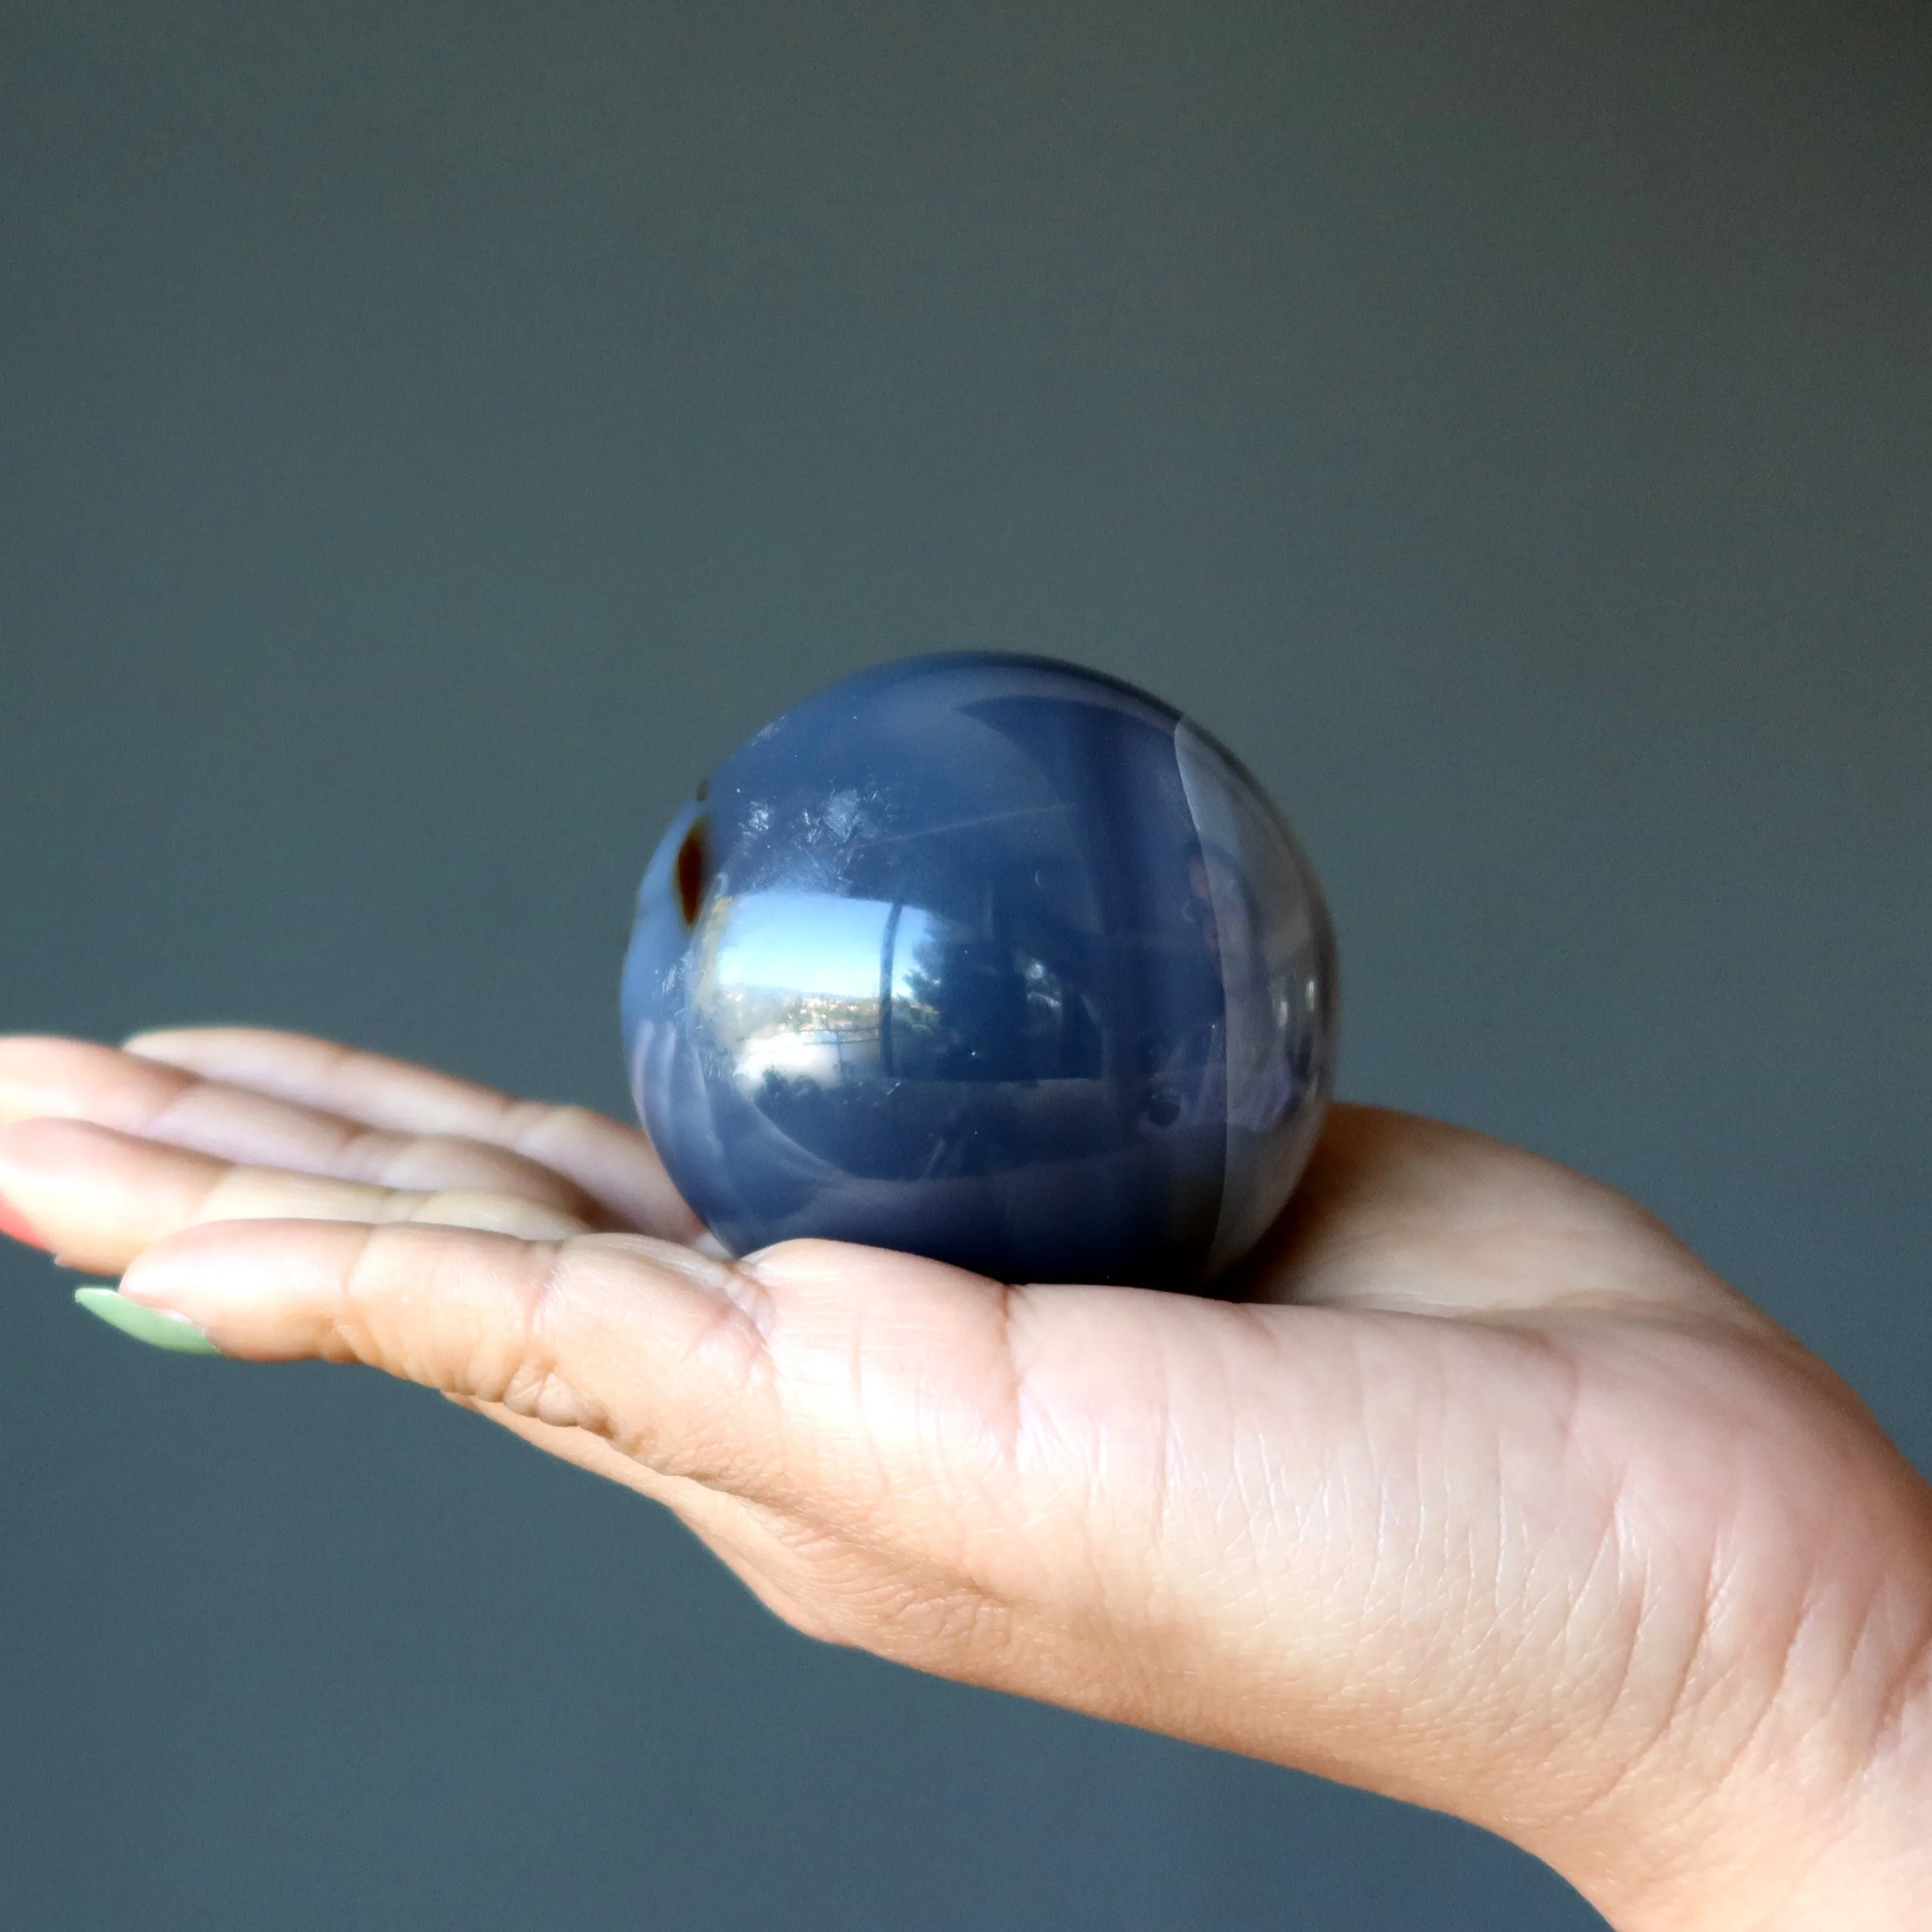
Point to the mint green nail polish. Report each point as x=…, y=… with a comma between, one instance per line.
x=158, y=1329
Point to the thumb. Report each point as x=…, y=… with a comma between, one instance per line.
x=650, y=1345
x=777, y=1379
x=837, y=1422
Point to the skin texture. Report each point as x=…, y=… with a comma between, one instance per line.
x=1485, y=1492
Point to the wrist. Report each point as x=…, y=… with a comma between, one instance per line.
x=1829, y=1840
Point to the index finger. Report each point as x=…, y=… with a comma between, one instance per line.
x=614, y=1163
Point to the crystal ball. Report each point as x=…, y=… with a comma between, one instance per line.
x=989, y=958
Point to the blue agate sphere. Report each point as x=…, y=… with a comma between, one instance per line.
x=989, y=958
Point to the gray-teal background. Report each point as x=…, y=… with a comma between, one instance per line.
x=430, y=434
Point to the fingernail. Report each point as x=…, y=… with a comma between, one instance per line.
x=13, y=1223
x=154, y=1326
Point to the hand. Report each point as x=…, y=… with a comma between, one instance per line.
x=1488, y=1495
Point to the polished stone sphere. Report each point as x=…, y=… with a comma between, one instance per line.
x=989, y=958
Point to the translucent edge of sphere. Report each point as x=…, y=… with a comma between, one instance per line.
x=1280, y=982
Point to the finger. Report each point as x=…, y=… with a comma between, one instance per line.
x=615, y=1164
x=97, y=1197
x=65, y=1079
x=649, y=1346
x=689, y=1381
x=698, y=1369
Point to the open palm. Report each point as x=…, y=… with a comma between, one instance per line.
x=1485, y=1493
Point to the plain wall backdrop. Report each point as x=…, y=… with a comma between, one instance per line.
x=430, y=434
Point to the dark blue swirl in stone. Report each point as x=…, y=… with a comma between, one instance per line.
x=989, y=958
